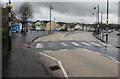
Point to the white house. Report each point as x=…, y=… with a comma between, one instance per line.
x=78, y=27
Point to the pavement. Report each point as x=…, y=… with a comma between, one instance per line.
x=79, y=54
x=112, y=38
x=58, y=55
x=23, y=61
x=0, y=54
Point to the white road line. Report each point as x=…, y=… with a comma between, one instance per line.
x=64, y=72
x=95, y=44
x=106, y=44
x=64, y=44
x=63, y=49
x=48, y=56
x=76, y=44
x=59, y=62
x=39, y=45
x=103, y=55
x=85, y=43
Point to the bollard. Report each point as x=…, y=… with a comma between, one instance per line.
x=118, y=40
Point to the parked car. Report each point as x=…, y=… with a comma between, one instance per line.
x=109, y=31
x=105, y=31
x=39, y=29
x=54, y=29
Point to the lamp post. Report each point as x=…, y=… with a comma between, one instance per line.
x=107, y=21
x=50, y=18
x=83, y=24
x=9, y=6
x=97, y=20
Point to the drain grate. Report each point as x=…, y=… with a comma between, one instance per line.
x=53, y=68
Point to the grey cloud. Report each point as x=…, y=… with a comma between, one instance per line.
x=72, y=8
x=77, y=8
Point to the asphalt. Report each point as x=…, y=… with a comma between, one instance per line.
x=23, y=61
x=77, y=37
x=78, y=60
x=57, y=46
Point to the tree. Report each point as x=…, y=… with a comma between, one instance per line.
x=25, y=13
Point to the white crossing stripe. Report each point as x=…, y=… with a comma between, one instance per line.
x=85, y=43
x=64, y=44
x=106, y=44
x=76, y=44
x=39, y=45
x=95, y=44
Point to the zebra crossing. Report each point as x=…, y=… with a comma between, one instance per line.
x=86, y=44
x=64, y=44
x=71, y=43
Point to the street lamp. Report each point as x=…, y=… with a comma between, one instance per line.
x=9, y=6
x=50, y=17
x=83, y=24
x=98, y=18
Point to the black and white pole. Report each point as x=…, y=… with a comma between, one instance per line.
x=9, y=6
x=107, y=21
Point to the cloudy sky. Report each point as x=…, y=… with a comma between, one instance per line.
x=71, y=10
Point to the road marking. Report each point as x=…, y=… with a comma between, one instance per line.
x=64, y=72
x=103, y=55
x=85, y=43
x=106, y=44
x=48, y=51
x=48, y=56
x=63, y=49
x=76, y=44
x=59, y=62
x=39, y=45
x=64, y=44
x=95, y=44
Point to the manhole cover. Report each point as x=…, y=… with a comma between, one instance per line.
x=53, y=68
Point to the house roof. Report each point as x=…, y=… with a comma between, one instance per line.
x=45, y=22
x=61, y=23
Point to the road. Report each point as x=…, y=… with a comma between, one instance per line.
x=81, y=54
x=113, y=38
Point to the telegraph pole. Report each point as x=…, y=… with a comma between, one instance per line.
x=98, y=14
x=50, y=18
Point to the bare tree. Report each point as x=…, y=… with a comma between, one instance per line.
x=25, y=13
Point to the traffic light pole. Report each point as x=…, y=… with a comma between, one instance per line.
x=107, y=21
